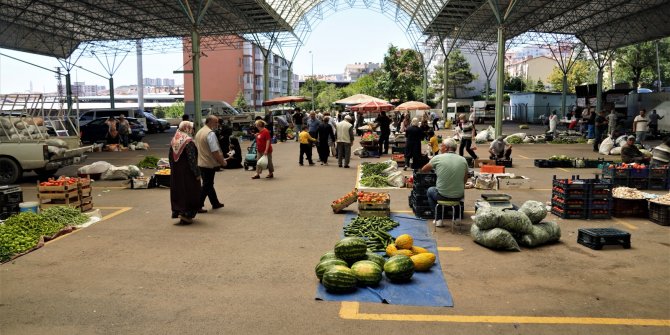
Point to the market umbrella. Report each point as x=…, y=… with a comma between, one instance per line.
x=357, y=99
x=373, y=106
x=412, y=106
x=285, y=100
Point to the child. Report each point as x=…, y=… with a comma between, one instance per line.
x=433, y=143
x=306, y=141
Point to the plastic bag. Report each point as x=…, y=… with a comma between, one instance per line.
x=535, y=210
x=396, y=179
x=262, y=162
x=485, y=182
x=495, y=238
x=515, y=222
x=621, y=140
x=606, y=146
x=116, y=173
x=487, y=217
x=97, y=167
x=542, y=233
x=615, y=151
x=482, y=136
x=492, y=133
x=57, y=142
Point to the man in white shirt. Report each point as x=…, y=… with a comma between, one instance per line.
x=640, y=126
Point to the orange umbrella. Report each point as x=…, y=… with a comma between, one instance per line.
x=412, y=106
x=373, y=106
x=285, y=100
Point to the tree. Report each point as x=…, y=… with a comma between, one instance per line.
x=173, y=112
x=460, y=74
x=366, y=84
x=327, y=96
x=401, y=72
x=310, y=86
x=240, y=103
x=516, y=84
x=636, y=64
x=539, y=86
x=582, y=72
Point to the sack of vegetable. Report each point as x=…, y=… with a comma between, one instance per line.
x=541, y=233
x=535, y=210
x=487, y=217
x=495, y=238
x=515, y=222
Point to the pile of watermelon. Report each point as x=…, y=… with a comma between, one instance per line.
x=351, y=264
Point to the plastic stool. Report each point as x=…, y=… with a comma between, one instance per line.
x=454, y=204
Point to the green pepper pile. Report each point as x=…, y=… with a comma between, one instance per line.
x=373, y=230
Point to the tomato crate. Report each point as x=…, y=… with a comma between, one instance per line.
x=372, y=205
x=596, y=238
x=659, y=172
x=620, y=173
x=640, y=184
x=659, y=213
x=658, y=184
x=571, y=184
x=608, y=172
x=61, y=195
x=630, y=208
x=638, y=173
x=618, y=182
x=600, y=194
x=397, y=150
x=599, y=204
x=568, y=203
x=595, y=215
x=424, y=179
x=366, y=213
x=570, y=194
x=599, y=185
x=568, y=214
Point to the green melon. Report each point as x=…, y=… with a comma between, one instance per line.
x=328, y=255
x=339, y=279
x=325, y=265
x=377, y=258
x=399, y=268
x=351, y=249
x=368, y=273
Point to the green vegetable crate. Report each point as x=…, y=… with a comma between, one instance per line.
x=366, y=213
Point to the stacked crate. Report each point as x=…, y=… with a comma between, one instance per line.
x=370, y=209
x=659, y=178
x=569, y=198
x=656, y=178
x=599, y=199
x=418, y=198
x=77, y=195
x=10, y=198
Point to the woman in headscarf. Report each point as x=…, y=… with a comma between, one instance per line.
x=184, y=176
x=414, y=136
x=324, y=134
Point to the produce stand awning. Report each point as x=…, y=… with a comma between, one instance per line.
x=358, y=99
x=412, y=106
x=373, y=106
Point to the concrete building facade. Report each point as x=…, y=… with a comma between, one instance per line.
x=354, y=71
x=227, y=72
x=532, y=68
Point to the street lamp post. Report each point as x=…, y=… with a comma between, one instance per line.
x=312, y=55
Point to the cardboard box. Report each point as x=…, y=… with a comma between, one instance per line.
x=480, y=162
x=513, y=183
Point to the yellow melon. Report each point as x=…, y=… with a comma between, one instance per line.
x=423, y=261
x=419, y=250
x=391, y=250
x=404, y=241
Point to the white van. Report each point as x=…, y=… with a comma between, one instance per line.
x=455, y=108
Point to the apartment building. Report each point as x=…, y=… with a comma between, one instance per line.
x=354, y=71
x=532, y=68
x=226, y=72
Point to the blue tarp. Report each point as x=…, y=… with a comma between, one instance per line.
x=425, y=289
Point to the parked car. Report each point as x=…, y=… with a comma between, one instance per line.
x=96, y=130
x=156, y=125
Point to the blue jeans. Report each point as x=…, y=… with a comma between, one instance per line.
x=590, y=131
x=434, y=196
x=640, y=136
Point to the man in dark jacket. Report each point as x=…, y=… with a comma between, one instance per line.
x=414, y=136
x=384, y=123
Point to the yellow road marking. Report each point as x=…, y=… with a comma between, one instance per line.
x=403, y=212
x=524, y=157
x=449, y=249
x=562, y=169
x=118, y=211
x=350, y=311
x=625, y=224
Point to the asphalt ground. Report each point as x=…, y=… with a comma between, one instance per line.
x=248, y=268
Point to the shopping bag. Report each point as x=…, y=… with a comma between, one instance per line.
x=262, y=162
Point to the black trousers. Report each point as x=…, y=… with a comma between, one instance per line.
x=207, y=175
x=384, y=142
x=306, y=149
x=466, y=144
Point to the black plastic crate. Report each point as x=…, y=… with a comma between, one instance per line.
x=424, y=212
x=7, y=210
x=638, y=173
x=658, y=184
x=630, y=208
x=596, y=216
x=571, y=184
x=10, y=195
x=578, y=204
x=659, y=213
x=397, y=150
x=544, y=163
x=619, y=182
x=599, y=184
x=599, y=204
x=569, y=214
x=570, y=194
x=425, y=179
x=596, y=238
x=600, y=195
x=658, y=173
x=562, y=163
x=504, y=162
x=640, y=184
x=419, y=200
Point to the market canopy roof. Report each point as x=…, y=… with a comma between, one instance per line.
x=57, y=28
x=412, y=106
x=358, y=99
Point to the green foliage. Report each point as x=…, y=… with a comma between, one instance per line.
x=148, y=162
x=312, y=86
x=174, y=111
x=240, y=103
x=327, y=96
x=539, y=86
x=460, y=75
x=516, y=84
x=636, y=64
x=402, y=71
x=582, y=72
x=366, y=84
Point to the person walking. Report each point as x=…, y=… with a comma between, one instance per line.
x=124, y=130
x=591, y=124
x=611, y=122
x=210, y=159
x=282, y=123
x=324, y=135
x=601, y=129
x=553, y=122
x=436, y=119
x=263, y=148
x=185, y=186
x=384, y=123
x=306, y=141
x=344, y=140
x=333, y=125
x=112, y=132
x=298, y=117
x=467, y=131
x=640, y=126
x=653, y=122
x=414, y=135
x=312, y=124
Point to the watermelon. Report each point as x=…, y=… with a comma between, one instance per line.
x=377, y=258
x=339, y=279
x=351, y=249
x=399, y=268
x=325, y=265
x=328, y=255
x=368, y=273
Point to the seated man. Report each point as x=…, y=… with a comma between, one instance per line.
x=630, y=153
x=451, y=170
x=499, y=149
x=661, y=153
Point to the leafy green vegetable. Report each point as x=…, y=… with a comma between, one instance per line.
x=514, y=140
x=148, y=162
x=374, y=181
x=370, y=169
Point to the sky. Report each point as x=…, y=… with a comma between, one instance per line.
x=346, y=37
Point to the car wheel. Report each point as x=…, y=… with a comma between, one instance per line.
x=10, y=171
